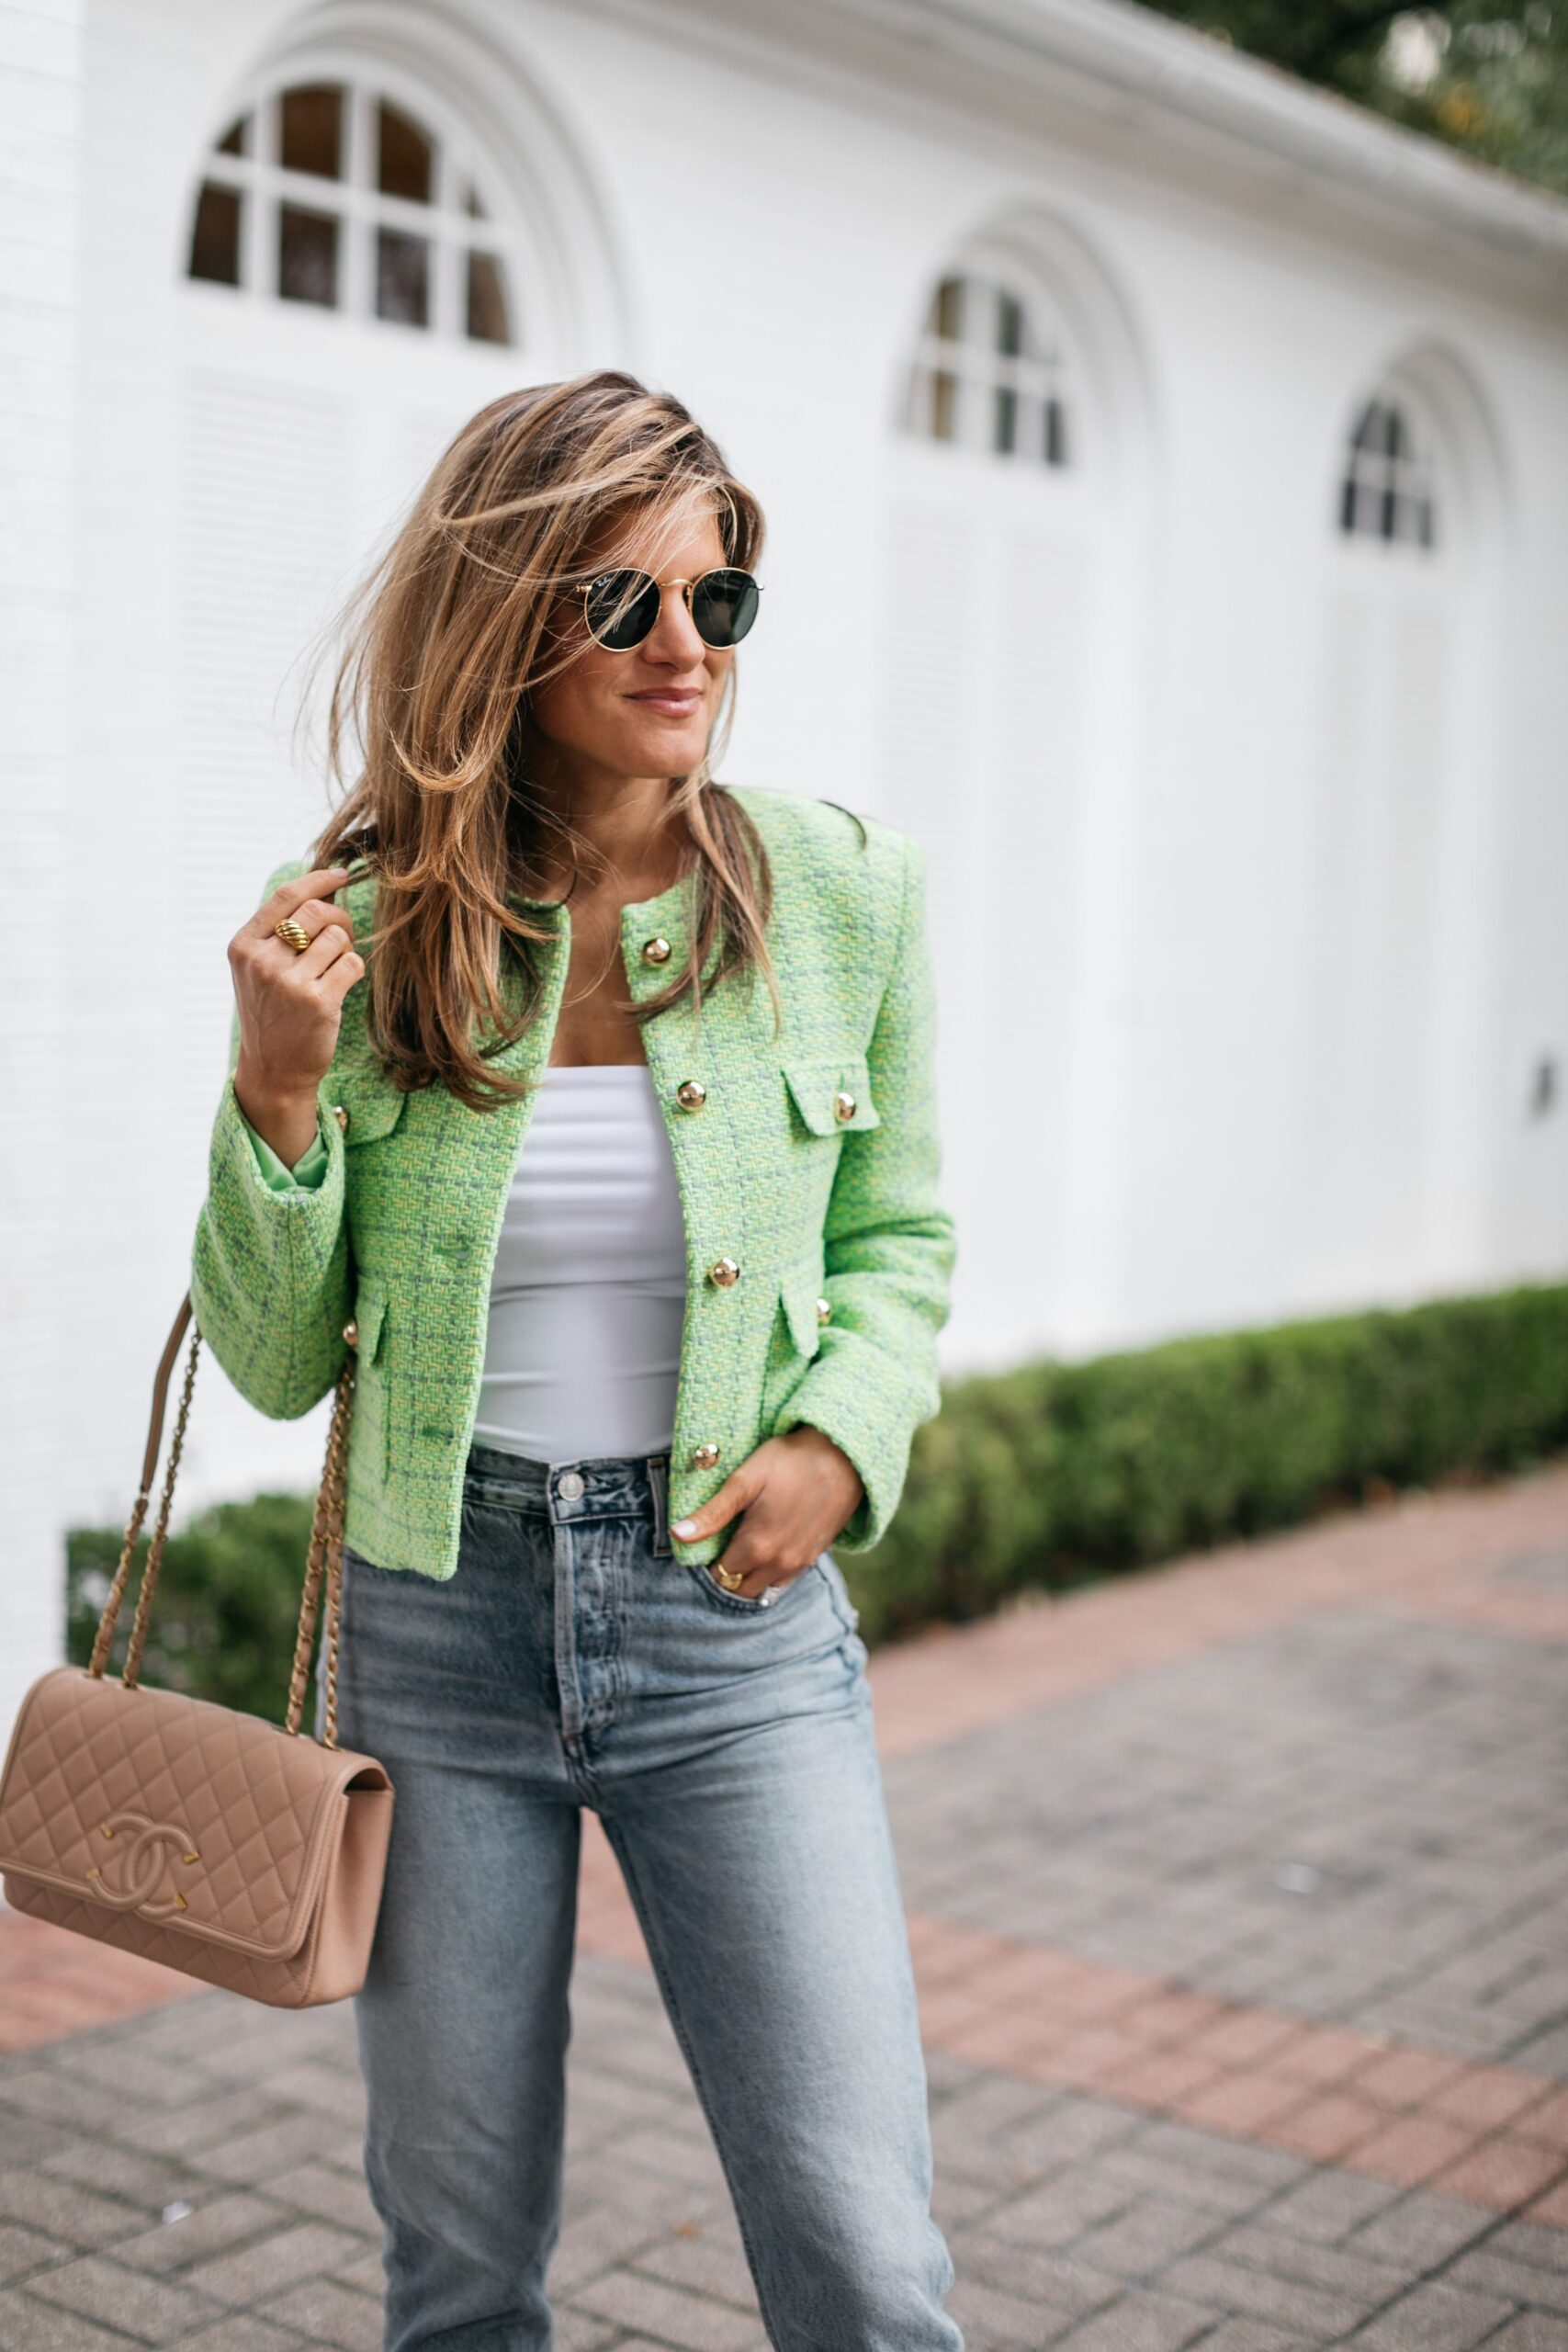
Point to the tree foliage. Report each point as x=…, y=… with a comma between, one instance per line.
x=1490, y=76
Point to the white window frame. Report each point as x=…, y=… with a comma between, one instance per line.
x=979, y=371
x=451, y=231
x=1412, y=474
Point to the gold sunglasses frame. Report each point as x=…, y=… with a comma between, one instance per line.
x=688, y=589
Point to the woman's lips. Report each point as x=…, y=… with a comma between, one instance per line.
x=669, y=703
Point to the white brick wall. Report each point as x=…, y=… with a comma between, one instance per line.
x=39, y=100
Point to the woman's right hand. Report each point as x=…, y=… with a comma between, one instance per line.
x=290, y=1007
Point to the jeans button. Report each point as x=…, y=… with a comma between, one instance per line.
x=570, y=1484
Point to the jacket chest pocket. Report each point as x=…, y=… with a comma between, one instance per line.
x=370, y=1114
x=365, y=1106
x=830, y=1093
x=824, y=1096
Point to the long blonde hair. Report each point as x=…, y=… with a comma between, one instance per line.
x=442, y=645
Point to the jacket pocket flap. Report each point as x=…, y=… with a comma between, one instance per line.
x=817, y=1082
x=800, y=1289
x=373, y=1103
x=369, y=1314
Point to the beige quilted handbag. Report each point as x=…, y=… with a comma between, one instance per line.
x=238, y=1851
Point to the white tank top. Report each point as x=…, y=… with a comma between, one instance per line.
x=588, y=1290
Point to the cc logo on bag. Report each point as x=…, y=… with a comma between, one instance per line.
x=142, y=1862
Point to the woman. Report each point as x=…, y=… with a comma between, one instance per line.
x=597, y=1116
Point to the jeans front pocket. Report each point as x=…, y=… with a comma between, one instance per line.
x=849, y=1614
x=745, y=1604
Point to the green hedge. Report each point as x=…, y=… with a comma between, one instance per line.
x=1042, y=1477
x=227, y=1605
x=1055, y=1474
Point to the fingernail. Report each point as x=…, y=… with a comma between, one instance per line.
x=683, y=1527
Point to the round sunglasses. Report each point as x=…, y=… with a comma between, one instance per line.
x=620, y=608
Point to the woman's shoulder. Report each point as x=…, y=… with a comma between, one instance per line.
x=827, y=839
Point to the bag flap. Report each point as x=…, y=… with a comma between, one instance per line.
x=185, y=1812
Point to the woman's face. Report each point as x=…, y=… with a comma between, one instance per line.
x=647, y=712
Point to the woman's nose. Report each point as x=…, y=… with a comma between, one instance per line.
x=673, y=637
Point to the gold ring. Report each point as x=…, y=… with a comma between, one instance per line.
x=730, y=1579
x=297, y=935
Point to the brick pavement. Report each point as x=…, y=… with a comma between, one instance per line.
x=1237, y=1901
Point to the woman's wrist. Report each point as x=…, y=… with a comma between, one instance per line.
x=289, y=1123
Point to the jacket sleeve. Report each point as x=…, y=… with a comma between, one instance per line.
x=308, y=1170
x=269, y=1263
x=890, y=1247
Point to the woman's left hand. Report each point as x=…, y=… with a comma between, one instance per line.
x=794, y=1493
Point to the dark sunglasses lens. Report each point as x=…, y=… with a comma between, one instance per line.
x=724, y=606
x=622, y=607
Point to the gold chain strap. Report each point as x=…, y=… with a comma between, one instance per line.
x=106, y=1621
x=325, y=1552
x=160, y=1532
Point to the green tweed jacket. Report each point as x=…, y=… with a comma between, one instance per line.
x=809, y=1161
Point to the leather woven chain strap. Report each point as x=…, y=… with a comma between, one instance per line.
x=325, y=1554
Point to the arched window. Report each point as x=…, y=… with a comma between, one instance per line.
x=332, y=193
x=1397, y=918
x=987, y=371
x=1386, y=489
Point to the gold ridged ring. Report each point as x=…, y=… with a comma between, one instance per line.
x=297, y=935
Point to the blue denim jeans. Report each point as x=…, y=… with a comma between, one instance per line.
x=727, y=1748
